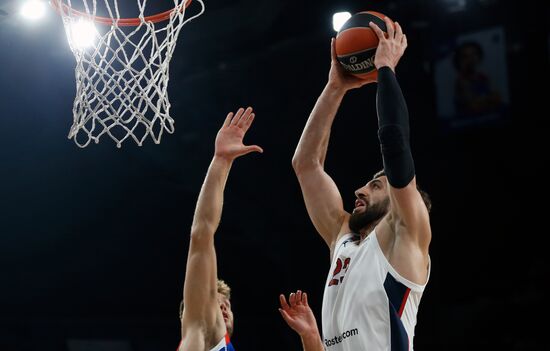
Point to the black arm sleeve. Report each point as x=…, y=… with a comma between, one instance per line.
x=393, y=130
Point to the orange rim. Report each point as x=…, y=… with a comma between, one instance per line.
x=122, y=22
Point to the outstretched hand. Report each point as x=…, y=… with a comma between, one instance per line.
x=338, y=76
x=229, y=141
x=390, y=48
x=298, y=315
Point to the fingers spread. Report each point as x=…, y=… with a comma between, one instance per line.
x=252, y=148
x=283, y=302
x=227, y=121
x=389, y=27
x=237, y=117
x=398, y=32
x=244, y=117
x=379, y=33
x=298, y=297
x=292, y=299
x=246, y=124
x=285, y=315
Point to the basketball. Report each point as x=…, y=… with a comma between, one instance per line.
x=356, y=44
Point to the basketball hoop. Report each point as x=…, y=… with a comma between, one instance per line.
x=122, y=69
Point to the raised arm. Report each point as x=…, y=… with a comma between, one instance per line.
x=322, y=197
x=299, y=316
x=201, y=309
x=409, y=211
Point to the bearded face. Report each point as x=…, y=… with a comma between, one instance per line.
x=368, y=212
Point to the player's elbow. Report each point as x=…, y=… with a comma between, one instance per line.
x=302, y=164
x=297, y=162
x=202, y=233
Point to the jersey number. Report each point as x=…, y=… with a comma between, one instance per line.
x=339, y=271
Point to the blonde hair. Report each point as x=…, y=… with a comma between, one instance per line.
x=223, y=289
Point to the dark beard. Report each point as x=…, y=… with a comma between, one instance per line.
x=372, y=214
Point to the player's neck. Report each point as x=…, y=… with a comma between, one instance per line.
x=364, y=232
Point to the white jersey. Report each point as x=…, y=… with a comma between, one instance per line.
x=367, y=305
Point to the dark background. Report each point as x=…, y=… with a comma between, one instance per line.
x=93, y=241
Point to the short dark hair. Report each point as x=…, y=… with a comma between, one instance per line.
x=425, y=196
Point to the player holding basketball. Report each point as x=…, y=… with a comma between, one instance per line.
x=207, y=319
x=379, y=253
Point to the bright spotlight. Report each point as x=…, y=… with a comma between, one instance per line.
x=338, y=20
x=33, y=9
x=82, y=33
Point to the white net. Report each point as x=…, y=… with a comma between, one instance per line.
x=122, y=68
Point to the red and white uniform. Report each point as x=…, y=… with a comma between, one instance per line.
x=367, y=305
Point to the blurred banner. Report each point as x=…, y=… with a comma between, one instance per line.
x=471, y=79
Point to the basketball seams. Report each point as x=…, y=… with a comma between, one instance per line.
x=362, y=19
x=355, y=39
x=356, y=52
x=352, y=28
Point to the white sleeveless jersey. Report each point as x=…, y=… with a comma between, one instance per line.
x=367, y=305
